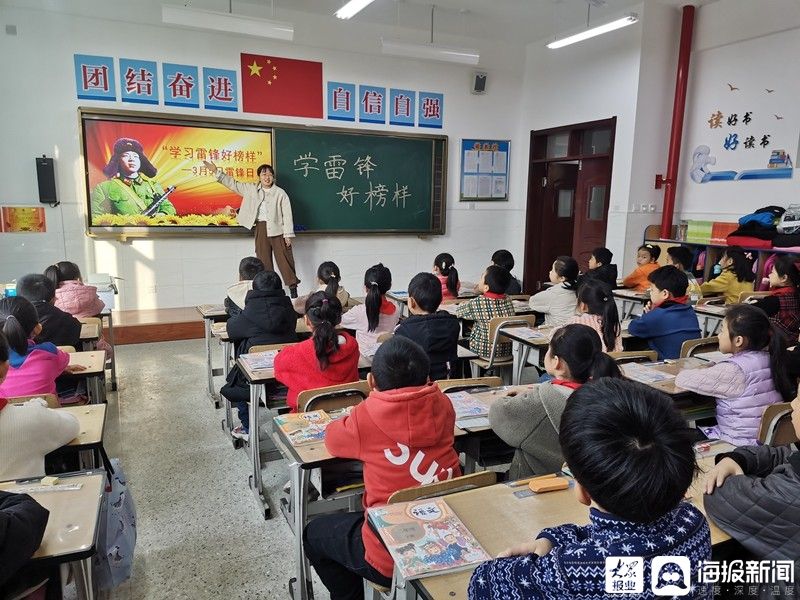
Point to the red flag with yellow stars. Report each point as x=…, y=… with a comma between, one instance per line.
x=281, y=86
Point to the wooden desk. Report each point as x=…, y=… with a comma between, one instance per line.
x=211, y=313
x=71, y=530
x=95, y=363
x=711, y=316
x=518, y=520
x=89, y=443
x=672, y=367
x=630, y=300
x=90, y=333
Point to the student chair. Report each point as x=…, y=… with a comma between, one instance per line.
x=333, y=397
x=693, y=347
x=459, y=385
x=776, y=425
x=51, y=399
x=630, y=356
x=398, y=591
x=496, y=326
x=747, y=296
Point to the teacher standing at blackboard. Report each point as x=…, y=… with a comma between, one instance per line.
x=266, y=206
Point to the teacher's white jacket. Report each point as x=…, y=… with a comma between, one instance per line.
x=278, y=208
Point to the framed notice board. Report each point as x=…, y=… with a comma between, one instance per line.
x=345, y=181
x=484, y=170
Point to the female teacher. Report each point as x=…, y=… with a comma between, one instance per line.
x=267, y=206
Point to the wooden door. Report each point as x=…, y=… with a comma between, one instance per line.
x=591, y=208
x=551, y=216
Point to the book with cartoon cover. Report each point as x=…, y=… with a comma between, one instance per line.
x=425, y=537
x=304, y=428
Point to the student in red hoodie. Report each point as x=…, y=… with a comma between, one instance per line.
x=403, y=433
x=329, y=357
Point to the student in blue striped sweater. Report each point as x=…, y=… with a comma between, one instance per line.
x=632, y=456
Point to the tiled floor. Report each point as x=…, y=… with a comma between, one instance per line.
x=199, y=530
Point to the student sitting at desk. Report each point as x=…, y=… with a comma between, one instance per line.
x=29, y=431
x=34, y=367
x=403, y=433
x=762, y=478
x=58, y=327
x=601, y=268
x=747, y=382
x=681, y=258
x=22, y=525
x=377, y=315
x=598, y=310
x=669, y=319
x=249, y=267
x=529, y=421
x=72, y=295
x=646, y=262
x=436, y=331
x=783, y=304
x=493, y=303
x=632, y=457
x=328, y=278
x=444, y=267
x=736, y=277
x=504, y=258
x=558, y=302
x=329, y=357
x=267, y=318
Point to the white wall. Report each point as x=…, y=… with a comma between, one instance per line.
x=39, y=117
x=595, y=79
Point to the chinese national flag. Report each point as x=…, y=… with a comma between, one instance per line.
x=281, y=86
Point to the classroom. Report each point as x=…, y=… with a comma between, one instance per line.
x=357, y=298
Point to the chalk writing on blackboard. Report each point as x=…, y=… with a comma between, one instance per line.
x=334, y=166
x=365, y=166
x=306, y=163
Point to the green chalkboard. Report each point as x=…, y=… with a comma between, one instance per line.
x=347, y=181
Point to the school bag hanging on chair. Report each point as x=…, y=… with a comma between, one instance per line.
x=116, y=537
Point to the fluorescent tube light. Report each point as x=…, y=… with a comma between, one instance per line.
x=464, y=56
x=352, y=8
x=195, y=18
x=594, y=31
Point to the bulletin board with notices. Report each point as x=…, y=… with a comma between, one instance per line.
x=484, y=170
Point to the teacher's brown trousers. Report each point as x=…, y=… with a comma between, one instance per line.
x=267, y=245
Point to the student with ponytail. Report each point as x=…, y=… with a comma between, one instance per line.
x=33, y=367
x=329, y=357
x=736, y=277
x=377, y=315
x=72, y=295
x=783, y=304
x=530, y=421
x=558, y=302
x=444, y=267
x=329, y=281
x=599, y=311
x=747, y=382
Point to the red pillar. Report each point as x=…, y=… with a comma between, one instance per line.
x=678, y=110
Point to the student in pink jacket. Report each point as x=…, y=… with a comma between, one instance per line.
x=72, y=295
x=34, y=367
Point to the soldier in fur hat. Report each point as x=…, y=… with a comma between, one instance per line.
x=130, y=188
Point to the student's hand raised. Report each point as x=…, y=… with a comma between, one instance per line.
x=74, y=369
x=721, y=471
x=539, y=547
x=211, y=166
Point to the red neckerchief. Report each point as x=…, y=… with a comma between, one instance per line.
x=3, y=403
x=387, y=307
x=570, y=384
x=674, y=300
x=783, y=291
x=493, y=296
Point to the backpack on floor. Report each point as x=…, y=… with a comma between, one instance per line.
x=116, y=537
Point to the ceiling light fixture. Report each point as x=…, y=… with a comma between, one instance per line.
x=352, y=8
x=195, y=18
x=595, y=31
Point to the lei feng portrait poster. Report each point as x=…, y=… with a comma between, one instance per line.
x=147, y=173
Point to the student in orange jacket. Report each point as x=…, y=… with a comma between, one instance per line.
x=646, y=262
